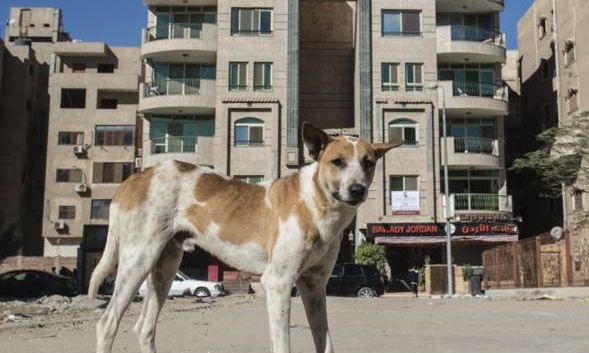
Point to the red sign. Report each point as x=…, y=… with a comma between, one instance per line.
x=437, y=229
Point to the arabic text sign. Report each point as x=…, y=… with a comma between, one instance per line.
x=405, y=202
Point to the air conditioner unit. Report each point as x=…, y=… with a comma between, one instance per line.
x=79, y=149
x=138, y=162
x=81, y=188
x=59, y=225
x=139, y=152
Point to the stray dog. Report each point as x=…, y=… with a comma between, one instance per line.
x=288, y=230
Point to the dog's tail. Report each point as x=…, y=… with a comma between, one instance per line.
x=105, y=266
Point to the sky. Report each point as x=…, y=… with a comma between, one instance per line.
x=119, y=22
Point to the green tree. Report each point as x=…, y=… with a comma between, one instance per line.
x=371, y=254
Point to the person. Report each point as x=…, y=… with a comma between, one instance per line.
x=413, y=279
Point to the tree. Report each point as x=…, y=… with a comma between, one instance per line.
x=371, y=254
x=562, y=158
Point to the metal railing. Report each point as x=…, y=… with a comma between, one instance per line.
x=482, y=202
x=262, y=87
x=401, y=33
x=174, y=144
x=474, y=145
x=477, y=34
x=251, y=32
x=179, y=30
x=237, y=87
x=172, y=86
x=250, y=143
x=478, y=89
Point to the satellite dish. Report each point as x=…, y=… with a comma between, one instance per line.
x=556, y=232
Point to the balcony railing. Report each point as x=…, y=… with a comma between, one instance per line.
x=173, y=31
x=250, y=143
x=477, y=34
x=481, y=202
x=474, y=145
x=172, y=86
x=174, y=144
x=478, y=89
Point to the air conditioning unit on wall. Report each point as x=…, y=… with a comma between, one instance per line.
x=79, y=149
x=81, y=188
x=59, y=225
x=138, y=162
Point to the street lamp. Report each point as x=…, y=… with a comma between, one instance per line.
x=448, y=230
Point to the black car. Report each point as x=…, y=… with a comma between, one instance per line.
x=363, y=281
x=34, y=284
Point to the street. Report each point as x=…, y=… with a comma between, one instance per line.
x=238, y=324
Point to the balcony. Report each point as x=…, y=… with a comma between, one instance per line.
x=101, y=81
x=473, y=152
x=472, y=44
x=189, y=149
x=480, y=203
x=180, y=41
x=469, y=5
x=178, y=95
x=474, y=98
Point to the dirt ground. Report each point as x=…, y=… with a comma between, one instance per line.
x=238, y=324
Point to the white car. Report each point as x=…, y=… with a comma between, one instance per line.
x=184, y=285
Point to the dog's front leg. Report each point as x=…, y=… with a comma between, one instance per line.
x=278, y=289
x=311, y=287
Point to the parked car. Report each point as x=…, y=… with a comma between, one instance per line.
x=34, y=284
x=362, y=281
x=184, y=285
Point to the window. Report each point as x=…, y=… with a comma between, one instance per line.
x=401, y=23
x=572, y=100
x=70, y=138
x=78, y=67
x=414, y=77
x=569, y=52
x=105, y=68
x=178, y=134
x=472, y=181
x=262, y=76
x=68, y=176
x=107, y=103
x=114, y=135
x=251, y=21
x=111, y=172
x=542, y=27
x=390, y=76
x=249, y=132
x=100, y=209
x=403, y=183
x=473, y=135
x=577, y=200
x=67, y=212
x=403, y=130
x=73, y=98
x=250, y=179
x=237, y=76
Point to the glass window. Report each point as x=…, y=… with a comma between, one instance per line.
x=114, y=135
x=69, y=176
x=100, y=209
x=250, y=179
x=249, y=132
x=390, y=76
x=73, y=98
x=262, y=76
x=414, y=76
x=67, y=212
x=237, y=76
x=401, y=23
x=352, y=270
x=105, y=68
x=403, y=183
x=115, y=172
x=251, y=21
x=403, y=130
x=70, y=138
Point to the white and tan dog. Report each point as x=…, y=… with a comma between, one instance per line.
x=288, y=230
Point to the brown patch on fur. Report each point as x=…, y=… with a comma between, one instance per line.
x=184, y=167
x=133, y=191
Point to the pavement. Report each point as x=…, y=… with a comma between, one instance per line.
x=237, y=324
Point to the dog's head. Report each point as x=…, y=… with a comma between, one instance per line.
x=346, y=164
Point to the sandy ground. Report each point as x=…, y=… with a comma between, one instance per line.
x=238, y=324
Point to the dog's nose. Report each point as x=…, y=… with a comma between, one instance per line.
x=357, y=191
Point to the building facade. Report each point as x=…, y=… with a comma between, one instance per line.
x=227, y=84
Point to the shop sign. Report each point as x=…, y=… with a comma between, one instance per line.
x=437, y=229
x=405, y=202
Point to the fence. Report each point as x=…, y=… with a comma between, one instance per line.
x=541, y=261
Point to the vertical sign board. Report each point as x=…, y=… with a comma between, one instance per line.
x=405, y=202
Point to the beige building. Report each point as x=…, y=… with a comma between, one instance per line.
x=228, y=83
x=25, y=56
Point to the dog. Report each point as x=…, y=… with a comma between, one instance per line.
x=288, y=231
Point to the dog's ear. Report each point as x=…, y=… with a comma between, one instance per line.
x=315, y=139
x=381, y=148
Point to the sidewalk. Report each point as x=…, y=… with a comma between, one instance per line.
x=538, y=293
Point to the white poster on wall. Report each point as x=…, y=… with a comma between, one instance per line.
x=405, y=202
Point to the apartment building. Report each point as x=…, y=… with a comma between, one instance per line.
x=552, y=41
x=228, y=83
x=92, y=139
x=30, y=35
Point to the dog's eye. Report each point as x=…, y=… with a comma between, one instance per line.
x=367, y=163
x=338, y=162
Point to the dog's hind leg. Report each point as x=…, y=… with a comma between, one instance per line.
x=135, y=262
x=158, y=286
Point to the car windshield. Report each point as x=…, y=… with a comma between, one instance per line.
x=181, y=276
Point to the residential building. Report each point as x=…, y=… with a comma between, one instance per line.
x=30, y=35
x=554, y=89
x=92, y=139
x=228, y=83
